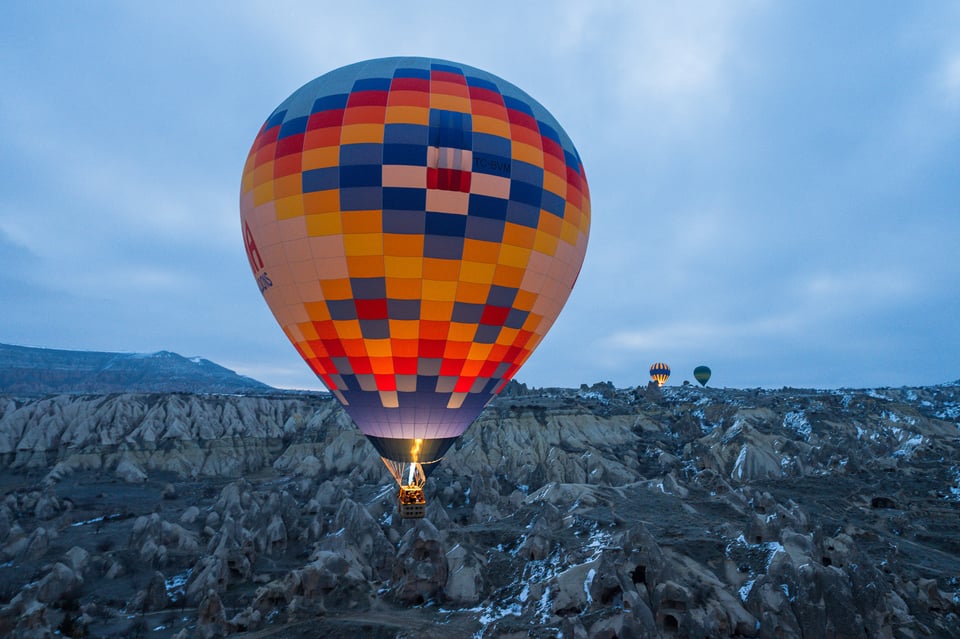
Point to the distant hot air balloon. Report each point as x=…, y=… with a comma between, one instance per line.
x=702, y=374
x=659, y=373
x=415, y=225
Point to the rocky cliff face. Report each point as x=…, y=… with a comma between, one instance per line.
x=43, y=371
x=593, y=514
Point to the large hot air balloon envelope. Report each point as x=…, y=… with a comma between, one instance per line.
x=659, y=372
x=415, y=225
x=702, y=374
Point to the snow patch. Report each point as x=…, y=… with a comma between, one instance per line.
x=705, y=426
x=949, y=412
x=955, y=489
x=176, y=585
x=95, y=520
x=599, y=541
x=593, y=395
x=733, y=431
x=894, y=418
x=534, y=572
x=797, y=422
x=493, y=613
x=773, y=547
x=909, y=447
x=587, y=582
x=738, y=466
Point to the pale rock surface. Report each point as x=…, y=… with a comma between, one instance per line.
x=190, y=516
x=60, y=581
x=153, y=596
x=129, y=471
x=421, y=570
x=211, y=618
x=465, y=583
x=77, y=559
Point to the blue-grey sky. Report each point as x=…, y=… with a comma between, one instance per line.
x=775, y=185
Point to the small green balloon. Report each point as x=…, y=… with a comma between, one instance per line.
x=702, y=374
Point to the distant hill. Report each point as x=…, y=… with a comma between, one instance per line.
x=41, y=371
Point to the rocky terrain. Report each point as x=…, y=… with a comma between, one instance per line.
x=27, y=371
x=583, y=514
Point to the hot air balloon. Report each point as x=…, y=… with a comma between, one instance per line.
x=702, y=374
x=415, y=226
x=659, y=373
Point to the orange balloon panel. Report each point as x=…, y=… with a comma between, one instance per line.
x=415, y=225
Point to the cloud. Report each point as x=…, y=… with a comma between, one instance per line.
x=107, y=221
x=674, y=54
x=947, y=80
x=666, y=65
x=686, y=336
x=839, y=292
x=120, y=188
x=296, y=375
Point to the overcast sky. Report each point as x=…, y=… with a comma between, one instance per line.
x=775, y=185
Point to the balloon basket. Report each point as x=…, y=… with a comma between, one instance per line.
x=411, y=503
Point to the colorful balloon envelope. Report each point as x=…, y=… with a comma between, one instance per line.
x=702, y=374
x=660, y=372
x=415, y=226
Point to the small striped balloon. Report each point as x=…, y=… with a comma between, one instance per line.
x=659, y=373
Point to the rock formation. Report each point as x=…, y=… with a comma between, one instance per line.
x=598, y=513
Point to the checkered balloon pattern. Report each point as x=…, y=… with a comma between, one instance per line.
x=415, y=225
